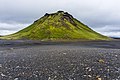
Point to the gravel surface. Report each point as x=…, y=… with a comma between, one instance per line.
x=59, y=62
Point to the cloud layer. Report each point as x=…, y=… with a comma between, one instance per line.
x=7, y=28
x=101, y=15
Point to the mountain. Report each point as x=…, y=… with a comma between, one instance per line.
x=57, y=26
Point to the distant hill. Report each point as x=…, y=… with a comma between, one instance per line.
x=57, y=26
x=116, y=38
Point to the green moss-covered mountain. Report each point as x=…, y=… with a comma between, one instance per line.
x=57, y=26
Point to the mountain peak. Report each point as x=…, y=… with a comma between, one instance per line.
x=61, y=16
x=62, y=13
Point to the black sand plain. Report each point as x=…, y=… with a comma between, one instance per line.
x=35, y=60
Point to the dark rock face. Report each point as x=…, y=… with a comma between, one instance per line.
x=46, y=14
x=69, y=18
x=60, y=12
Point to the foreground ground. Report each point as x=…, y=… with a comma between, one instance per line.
x=28, y=60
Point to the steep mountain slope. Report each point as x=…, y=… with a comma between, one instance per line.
x=57, y=26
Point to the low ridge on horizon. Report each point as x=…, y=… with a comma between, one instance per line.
x=56, y=26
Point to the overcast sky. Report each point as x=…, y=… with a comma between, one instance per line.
x=100, y=15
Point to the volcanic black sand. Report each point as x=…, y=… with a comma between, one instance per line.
x=35, y=60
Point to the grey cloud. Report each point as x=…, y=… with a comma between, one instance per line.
x=109, y=30
x=6, y=28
